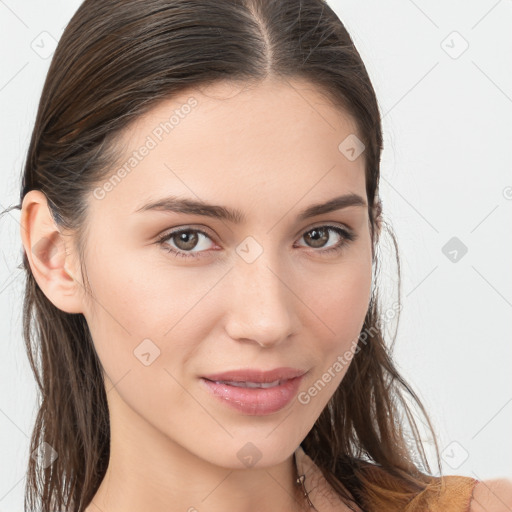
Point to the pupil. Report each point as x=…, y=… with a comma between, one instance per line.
x=318, y=235
x=182, y=238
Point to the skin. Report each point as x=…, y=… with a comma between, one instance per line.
x=270, y=151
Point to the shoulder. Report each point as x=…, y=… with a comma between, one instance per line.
x=492, y=496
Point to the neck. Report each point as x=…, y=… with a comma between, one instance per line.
x=147, y=471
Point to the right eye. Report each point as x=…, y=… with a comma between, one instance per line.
x=322, y=233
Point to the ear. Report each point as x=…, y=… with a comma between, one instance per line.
x=48, y=254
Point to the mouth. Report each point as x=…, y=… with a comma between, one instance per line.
x=256, y=375
x=263, y=385
x=257, y=397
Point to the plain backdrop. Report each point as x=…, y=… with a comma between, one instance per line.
x=443, y=77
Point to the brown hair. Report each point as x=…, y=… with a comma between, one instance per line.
x=115, y=61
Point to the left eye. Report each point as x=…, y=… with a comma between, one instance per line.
x=187, y=239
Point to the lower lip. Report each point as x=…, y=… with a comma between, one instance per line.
x=255, y=401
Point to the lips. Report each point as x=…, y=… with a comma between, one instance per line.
x=255, y=392
x=248, y=384
x=256, y=376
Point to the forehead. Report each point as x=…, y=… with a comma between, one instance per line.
x=241, y=143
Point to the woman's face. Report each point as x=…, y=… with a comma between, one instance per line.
x=265, y=288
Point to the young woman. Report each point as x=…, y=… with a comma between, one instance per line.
x=200, y=219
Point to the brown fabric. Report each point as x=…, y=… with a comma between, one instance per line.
x=451, y=493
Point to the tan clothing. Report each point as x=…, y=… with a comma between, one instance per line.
x=451, y=493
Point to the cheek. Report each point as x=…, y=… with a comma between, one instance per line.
x=341, y=306
x=339, y=295
x=342, y=310
x=151, y=311
x=145, y=295
x=146, y=327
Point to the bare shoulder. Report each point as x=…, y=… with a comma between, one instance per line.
x=492, y=496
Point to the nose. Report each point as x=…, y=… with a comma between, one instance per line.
x=261, y=307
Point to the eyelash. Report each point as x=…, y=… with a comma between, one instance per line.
x=347, y=237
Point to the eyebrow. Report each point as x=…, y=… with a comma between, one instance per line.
x=197, y=207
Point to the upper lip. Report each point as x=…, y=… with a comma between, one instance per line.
x=256, y=375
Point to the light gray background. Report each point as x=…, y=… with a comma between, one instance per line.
x=446, y=172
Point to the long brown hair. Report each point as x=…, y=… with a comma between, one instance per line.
x=115, y=61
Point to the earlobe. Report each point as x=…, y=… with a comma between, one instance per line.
x=47, y=253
